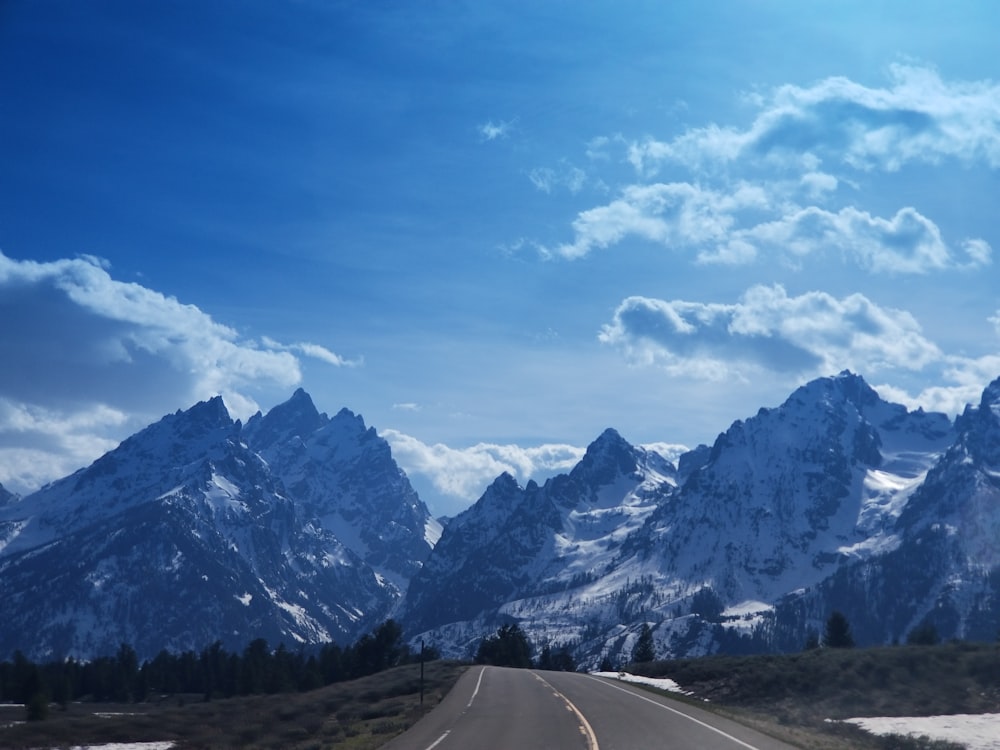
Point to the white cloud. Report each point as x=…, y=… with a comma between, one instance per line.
x=812, y=334
x=491, y=131
x=965, y=378
x=407, y=406
x=919, y=117
x=682, y=217
x=93, y=349
x=672, y=214
x=566, y=176
x=849, y=127
x=464, y=473
x=39, y=444
x=315, y=351
x=907, y=243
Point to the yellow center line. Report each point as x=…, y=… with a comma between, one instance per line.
x=585, y=729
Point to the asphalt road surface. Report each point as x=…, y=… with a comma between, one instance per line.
x=494, y=708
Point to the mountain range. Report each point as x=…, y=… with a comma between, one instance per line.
x=301, y=528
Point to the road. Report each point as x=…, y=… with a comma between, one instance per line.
x=494, y=708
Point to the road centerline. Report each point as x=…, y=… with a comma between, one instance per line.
x=585, y=729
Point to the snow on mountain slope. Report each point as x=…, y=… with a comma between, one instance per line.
x=780, y=503
x=945, y=569
x=536, y=543
x=785, y=495
x=344, y=479
x=184, y=535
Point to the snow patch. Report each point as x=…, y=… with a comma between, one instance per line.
x=662, y=683
x=748, y=607
x=432, y=531
x=975, y=731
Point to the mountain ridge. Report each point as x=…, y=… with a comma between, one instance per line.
x=301, y=527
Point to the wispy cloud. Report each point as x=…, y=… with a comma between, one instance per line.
x=315, y=351
x=767, y=330
x=407, y=406
x=566, y=176
x=491, y=131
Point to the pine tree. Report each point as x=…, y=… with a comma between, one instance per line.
x=644, y=649
x=838, y=632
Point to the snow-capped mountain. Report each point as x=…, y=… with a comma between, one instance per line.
x=710, y=554
x=345, y=481
x=943, y=569
x=185, y=534
x=299, y=527
x=522, y=552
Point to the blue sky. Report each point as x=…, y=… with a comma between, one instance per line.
x=492, y=229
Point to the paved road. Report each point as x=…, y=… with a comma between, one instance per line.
x=492, y=708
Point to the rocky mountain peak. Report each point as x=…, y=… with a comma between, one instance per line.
x=607, y=458
x=296, y=417
x=991, y=398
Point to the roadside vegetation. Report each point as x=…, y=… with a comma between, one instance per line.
x=790, y=694
x=213, y=673
x=356, y=715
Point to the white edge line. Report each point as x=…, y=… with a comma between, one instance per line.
x=474, y=692
x=674, y=710
x=438, y=741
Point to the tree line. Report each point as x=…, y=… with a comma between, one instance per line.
x=511, y=647
x=212, y=673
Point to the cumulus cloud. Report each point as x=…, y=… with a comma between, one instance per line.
x=684, y=217
x=672, y=214
x=39, y=444
x=767, y=330
x=906, y=243
x=918, y=117
x=799, y=147
x=463, y=474
x=93, y=349
x=964, y=379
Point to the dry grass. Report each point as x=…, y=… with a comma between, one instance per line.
x=359, y=715
x=800, y=697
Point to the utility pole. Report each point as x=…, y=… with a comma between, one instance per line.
x=421, y=671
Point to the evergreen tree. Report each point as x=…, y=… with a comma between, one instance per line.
x=924, y=634
x=838, y=632
x=644, y=648
x=812, y=639
x=510, y=647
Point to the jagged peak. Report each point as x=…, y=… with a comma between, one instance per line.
x=845, y=386
x=607, y=457
x=506, y=482
x=991, y=397
x=299, y=409
x=297, y=416
x=212, y=410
